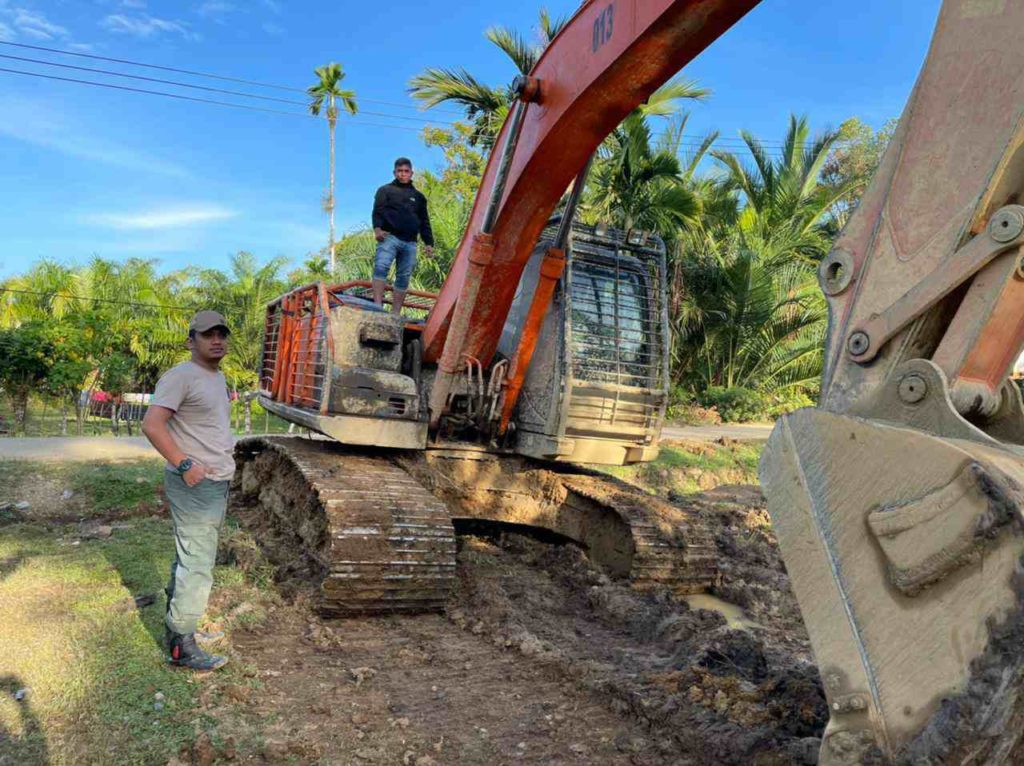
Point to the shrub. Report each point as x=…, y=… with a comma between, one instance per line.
x=736, y=404
x=788, y=400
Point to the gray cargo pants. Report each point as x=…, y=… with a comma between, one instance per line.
x=197, y=513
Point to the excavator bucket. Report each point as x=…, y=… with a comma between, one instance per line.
x=898, y=501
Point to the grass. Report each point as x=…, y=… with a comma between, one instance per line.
x=686, y=468
x=71, y=634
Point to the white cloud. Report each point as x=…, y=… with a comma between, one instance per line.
x=82, y=47
x=273, y=29
x=6, y=33
x=172, y=217
x=135, y=4
x=215, y=9
x=145, y=26
x=40, y=125
x=272, y=5
x=36, y=25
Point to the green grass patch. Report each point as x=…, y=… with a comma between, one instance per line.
x=685, y=468
x=112, y=486
x=72, y=635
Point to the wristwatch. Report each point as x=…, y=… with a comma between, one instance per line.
x=184, y=465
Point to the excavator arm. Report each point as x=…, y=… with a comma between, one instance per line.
x=898, y=501
x=609, y=58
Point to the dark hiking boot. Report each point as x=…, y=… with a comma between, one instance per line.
x=187, y=654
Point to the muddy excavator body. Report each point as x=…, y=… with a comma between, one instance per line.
x=546, y=347
x=897, y=502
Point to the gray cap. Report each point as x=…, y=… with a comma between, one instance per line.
x=207, y=320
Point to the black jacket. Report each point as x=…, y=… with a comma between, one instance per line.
x=401, y=209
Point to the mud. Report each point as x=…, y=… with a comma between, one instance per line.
x=542, y=657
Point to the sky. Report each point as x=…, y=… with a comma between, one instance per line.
x=88, y=171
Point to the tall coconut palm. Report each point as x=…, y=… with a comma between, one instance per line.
x=327, y=89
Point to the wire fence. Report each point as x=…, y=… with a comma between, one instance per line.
x=50, y=416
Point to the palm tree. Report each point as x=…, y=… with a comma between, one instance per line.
x=784, y=199
x=327, y=88
x=751, y=315
x=487, y=107
x=637, y=182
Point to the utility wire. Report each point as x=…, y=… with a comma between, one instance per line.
x=195, y=73
x=181, y=97
x=241, y=94
x=93, y=300
x=255, y=83
x=266, y=110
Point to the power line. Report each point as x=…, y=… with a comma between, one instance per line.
x=195, y=73
x=153, y=79
x=93, y=300
x=179, y=84
x=181, y=97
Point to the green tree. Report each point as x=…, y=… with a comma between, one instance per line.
x=638, y=183
x=486, y=106
x=26, y=355
x=327, y=89
x=851, y=163
x=241, y=295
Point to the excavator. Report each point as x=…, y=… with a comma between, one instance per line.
x=897, y=501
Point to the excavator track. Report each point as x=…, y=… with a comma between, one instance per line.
x=673, y=549
x=375, y=533
x=631, y=533
x=355, y=525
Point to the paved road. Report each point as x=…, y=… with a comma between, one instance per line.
x=76, y=448
x=130, y=447
x=743, y=432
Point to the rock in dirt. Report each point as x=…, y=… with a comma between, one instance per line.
x=24, y=505
x=21, y=694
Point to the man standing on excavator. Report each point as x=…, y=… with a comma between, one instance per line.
x=399, y=217
x=189, y=423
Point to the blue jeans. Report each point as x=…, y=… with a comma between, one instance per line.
x=397, y=251
x=197, y=513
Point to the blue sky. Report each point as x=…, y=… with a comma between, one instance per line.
x=87, y=171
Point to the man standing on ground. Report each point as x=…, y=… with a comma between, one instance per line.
x=189, y=423
x=399, y=216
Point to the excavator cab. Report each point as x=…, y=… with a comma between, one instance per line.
x=597, y=386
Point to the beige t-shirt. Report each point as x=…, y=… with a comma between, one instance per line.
x=201, y=424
